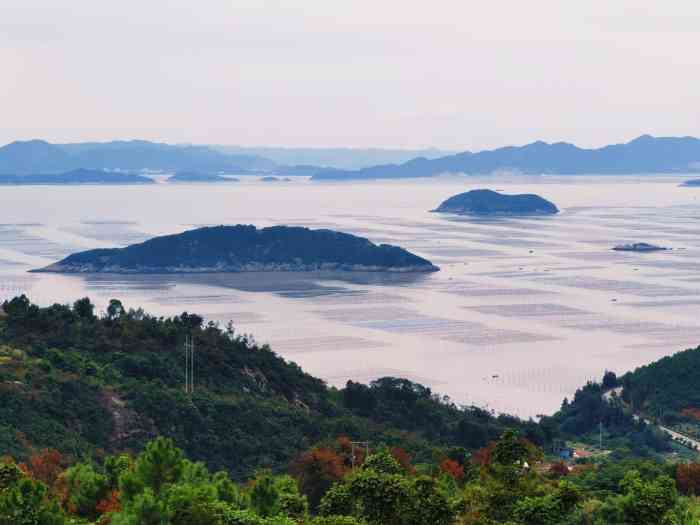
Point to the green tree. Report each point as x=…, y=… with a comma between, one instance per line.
x=189, y=504
x=85, y=488
x=382, y=462
x=115, y=466
x=428, y=503
x=159, y=465
x=277, y=495
x=506, y=479
x=84, y=309
x=248, y=517
x=9, y=475
x=336, y=520
x=383, y=498
x=338, y=501
x=229, y=492
x=510, y=450
x=648, y=502
x=27, y=502
x=115, y=309
x=144, y=509
x=550, y=509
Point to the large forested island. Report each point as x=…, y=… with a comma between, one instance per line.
x=488, y=202
x=244, y=248
x=78, y=176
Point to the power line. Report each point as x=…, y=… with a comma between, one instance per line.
x=364, y=444
x=189, y=365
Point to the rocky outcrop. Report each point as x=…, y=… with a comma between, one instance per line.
x=127, y=423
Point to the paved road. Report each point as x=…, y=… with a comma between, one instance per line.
x=675, y=435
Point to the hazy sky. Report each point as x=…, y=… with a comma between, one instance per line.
x=452, y=74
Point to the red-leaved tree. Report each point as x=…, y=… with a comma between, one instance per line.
x=452, y=468
x=316, y=470
x=45, y=466
x=688, y=478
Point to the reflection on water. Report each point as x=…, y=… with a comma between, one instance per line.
x=284, y=284
x=524, y=311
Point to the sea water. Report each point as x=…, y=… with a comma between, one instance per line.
x=523, y=311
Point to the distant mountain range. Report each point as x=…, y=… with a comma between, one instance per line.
x=339, y=158
x=38, y=156
x=645, y=154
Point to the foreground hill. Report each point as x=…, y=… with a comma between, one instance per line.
x=85, y=384
x=79, y=176
x=38, y=156
x=246, y=248
x=488, y=202
x=645, y=154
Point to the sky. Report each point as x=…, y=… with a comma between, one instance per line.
x=458, y=75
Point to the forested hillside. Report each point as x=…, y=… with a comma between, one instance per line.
x=590, y=415
x=505, y=483
x=96, y=428
x=87, y=385
x=670, y=385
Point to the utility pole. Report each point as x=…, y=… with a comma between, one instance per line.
x=189, y=365
x=364, y=444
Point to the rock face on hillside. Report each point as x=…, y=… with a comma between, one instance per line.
x=488, y=202
x=246, y=249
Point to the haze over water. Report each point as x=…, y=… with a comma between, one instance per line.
x=523, y=312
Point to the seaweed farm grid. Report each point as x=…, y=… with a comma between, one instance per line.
x=523, y=311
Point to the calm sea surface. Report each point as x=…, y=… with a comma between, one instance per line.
x=523, y=312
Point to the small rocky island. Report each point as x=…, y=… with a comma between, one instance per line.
x=638, y=247
x=244, y=248
x=194, y=176
x=78, y=176
x=489, y=202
